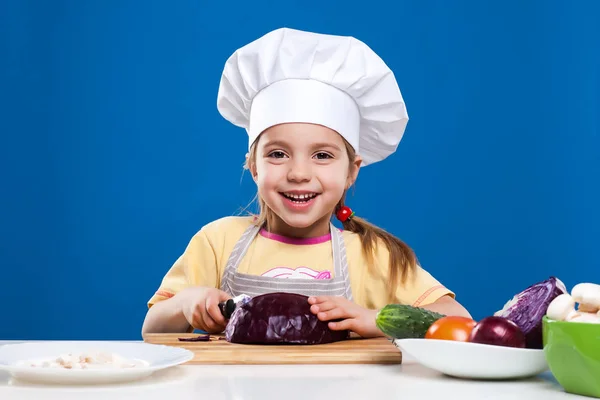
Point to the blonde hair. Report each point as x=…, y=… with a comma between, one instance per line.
x=402, y=259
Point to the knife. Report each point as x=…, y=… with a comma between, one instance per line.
x=228, y=307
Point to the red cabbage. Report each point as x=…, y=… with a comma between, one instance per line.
x=526, y=309
x=279, y=318
x=201, y=338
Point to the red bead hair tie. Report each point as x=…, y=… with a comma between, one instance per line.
x=344, y=213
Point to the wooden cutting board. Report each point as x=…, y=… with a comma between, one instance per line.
x=355, y=350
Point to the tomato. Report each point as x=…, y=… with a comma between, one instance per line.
x=451, y=328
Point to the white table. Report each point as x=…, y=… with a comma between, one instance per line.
x=285, y=382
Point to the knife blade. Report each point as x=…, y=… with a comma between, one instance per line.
x=228, y=307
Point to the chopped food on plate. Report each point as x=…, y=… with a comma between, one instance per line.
x=87, y=360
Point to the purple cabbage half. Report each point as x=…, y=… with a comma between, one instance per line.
x=279, y=318
x=526, y=309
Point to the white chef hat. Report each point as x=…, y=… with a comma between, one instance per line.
x=289, y=75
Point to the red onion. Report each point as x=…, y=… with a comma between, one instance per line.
x=497, y=331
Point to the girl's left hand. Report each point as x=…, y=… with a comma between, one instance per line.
x=354, y=317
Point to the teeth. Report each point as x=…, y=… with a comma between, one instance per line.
x=300, y=196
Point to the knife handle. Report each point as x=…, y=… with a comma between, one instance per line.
x=227, y=308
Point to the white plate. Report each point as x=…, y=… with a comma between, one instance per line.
x=474, y=360
x=153, y=358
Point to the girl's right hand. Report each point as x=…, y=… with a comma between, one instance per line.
x=200, y=306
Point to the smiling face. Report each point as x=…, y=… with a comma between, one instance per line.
x=302, y=171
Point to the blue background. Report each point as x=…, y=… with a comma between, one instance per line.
x=113, y=153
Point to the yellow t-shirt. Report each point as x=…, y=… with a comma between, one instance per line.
x=203, y=263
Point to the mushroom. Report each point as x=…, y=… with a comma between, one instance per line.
x=562, y=308
x=585, y=317
x=586, y=308
x=587, y=295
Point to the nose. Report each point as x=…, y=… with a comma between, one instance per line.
x=299, y=171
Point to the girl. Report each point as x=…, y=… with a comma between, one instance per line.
x=317, y=108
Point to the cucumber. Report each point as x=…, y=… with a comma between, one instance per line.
x=400, y=321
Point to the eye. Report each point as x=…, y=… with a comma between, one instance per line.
x=277, y=154
x=323, y=156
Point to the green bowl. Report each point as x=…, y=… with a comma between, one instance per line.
x=572, y=350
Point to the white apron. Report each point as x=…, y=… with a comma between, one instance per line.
x=235, y=283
